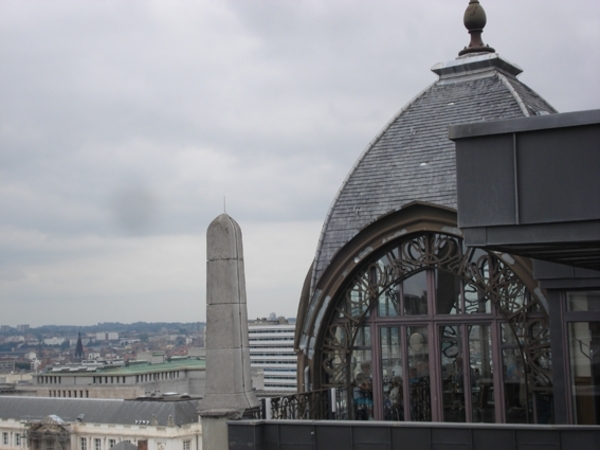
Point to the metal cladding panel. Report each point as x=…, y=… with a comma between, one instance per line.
x=271, y=438
x=557, y=166
x=560, y=276
x=246, y=438
x=544, y=270
x=559, y=174
x=296, y=434
x=412, y=438
x=556, y=190
x=451, y=439
x=487, y=195
x=356, y=435
x=580, y=439
x=326, y=436
x=493, y=439
x=530, y=439
x=372, y=436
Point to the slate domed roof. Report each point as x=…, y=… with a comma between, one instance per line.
x=412, y=157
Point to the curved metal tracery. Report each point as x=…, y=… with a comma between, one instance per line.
x=486, y=279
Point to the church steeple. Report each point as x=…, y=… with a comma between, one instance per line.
x=79, y=355
x=475, y=20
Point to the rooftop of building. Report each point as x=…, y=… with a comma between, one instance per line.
x=109, y=411
x=134, y=368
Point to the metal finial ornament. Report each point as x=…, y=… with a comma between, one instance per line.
x=475, y=21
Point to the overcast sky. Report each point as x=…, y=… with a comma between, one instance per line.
x=125, y=124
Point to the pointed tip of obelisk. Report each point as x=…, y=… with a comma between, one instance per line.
x=223, y=218
x=224, y=238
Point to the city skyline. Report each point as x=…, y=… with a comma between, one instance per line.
x=127, y=127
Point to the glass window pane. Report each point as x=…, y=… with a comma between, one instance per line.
x=447, y=292
x=453, y=379
x=517, y=398
x=476, y=302
x=418, y=369
x=358, y=299
x=336, y=344
x=508, y=335
x=391, y=369
x=363, y=337
x=414, y=291
x=584, y=353
x=583, y=301
x=389, y=302
x=482, y=384
x=362, y=385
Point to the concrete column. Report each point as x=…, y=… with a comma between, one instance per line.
x=228, y=390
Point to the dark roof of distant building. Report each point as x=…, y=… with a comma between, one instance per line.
x=93, y=410
x=412, y=159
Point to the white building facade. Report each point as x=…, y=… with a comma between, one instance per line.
x=272, y=349
x=135, y=379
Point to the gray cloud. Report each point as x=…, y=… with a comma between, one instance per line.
x=124, y=124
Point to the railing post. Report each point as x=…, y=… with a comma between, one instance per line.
x=332, y=404
x=266, y=408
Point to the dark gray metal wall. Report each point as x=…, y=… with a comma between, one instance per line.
x=531, y=186
x=328, y=435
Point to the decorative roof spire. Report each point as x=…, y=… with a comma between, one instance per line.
x=79, y=354
x=475, y=21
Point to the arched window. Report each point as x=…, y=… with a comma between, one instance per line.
x=427, y=329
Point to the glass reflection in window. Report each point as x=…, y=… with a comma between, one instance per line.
x=414, y=290
x=584, y=342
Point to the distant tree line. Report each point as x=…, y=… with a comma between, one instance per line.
x=122, y=328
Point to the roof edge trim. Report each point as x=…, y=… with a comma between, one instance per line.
x=534, y=123
x=515, y=94
x=476, y=63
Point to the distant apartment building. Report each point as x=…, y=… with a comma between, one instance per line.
x=272, y=350
x=121, y=380
x=107, y=336
x=54, y=341
x=22, y=328
x=7, y=365
x=73, y=341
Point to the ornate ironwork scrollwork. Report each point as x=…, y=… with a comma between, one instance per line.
x=302, y=406
x=486, y=278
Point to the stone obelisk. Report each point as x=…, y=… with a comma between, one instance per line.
x=228, y=390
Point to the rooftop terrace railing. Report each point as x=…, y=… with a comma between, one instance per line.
x=323, y=404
